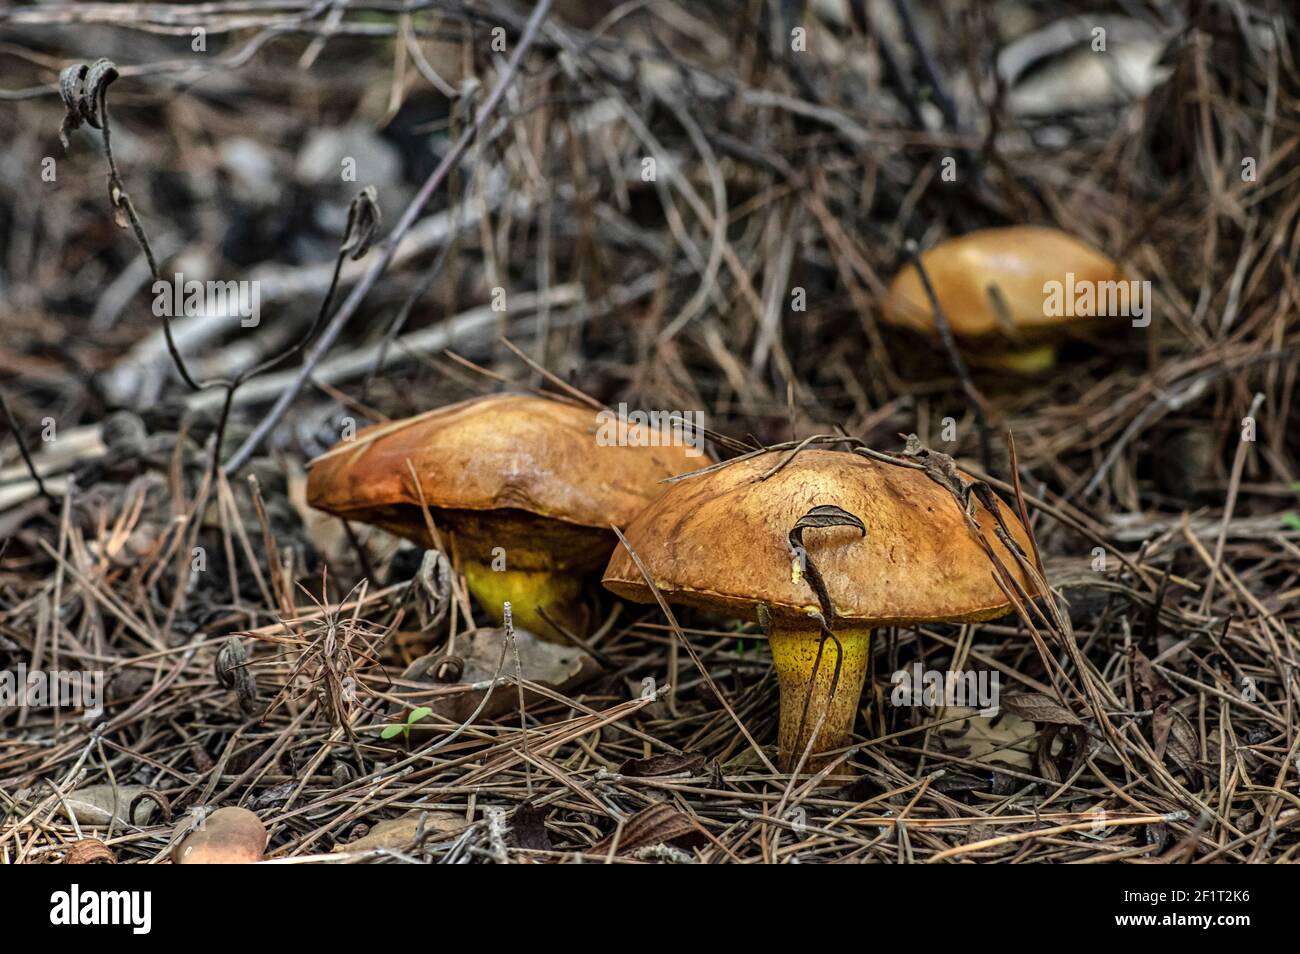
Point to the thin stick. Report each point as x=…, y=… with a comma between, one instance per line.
x=22, y=449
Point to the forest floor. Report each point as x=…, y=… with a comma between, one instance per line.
x=674, y=206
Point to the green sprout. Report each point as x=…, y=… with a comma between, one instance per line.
x=1291, y=519
x=742, y=644
x=404, y=729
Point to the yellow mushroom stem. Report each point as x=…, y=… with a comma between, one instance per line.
x=528, y=591
x=1028, y=360
x=794, y=654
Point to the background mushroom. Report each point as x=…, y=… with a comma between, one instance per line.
x=720, y=542
x=522, y=492
x=990, y=284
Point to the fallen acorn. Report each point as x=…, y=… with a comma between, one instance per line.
x=521, y=492
x=229, y=836
x=994, y=288
x=721, y=542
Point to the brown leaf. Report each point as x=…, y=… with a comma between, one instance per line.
x=401, y=832
x=998, y=740
x=1172, y=735
x=1150, y=686
x=824, y=515
x=658, y=824
x=528, y=828
x=364, y=219
x=231, y=670
x=1157, y=835
x=70, y=90
x=1074, y=741
x=669, y=764
x=479, y=651
x=94, y=86
x=1037, y=707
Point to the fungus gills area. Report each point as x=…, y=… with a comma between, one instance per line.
x=794, y=654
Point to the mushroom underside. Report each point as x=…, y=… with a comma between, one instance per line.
x=513, y=538
x=541, y=566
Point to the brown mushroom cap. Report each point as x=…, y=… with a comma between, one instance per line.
x=229, y=836
x=510, y=470
x=719, y=542
x=1019, y=260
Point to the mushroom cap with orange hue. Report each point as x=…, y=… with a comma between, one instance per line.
x=719, y=541
x=1019, y=261
x=512, y=470
x=229, y=836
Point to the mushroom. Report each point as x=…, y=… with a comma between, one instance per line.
x=720, y=542
x=993, y=286
x=229, y=836
x=522, y=491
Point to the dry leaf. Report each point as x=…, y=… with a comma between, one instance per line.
x=1037, y=707
x=401, y=832
x=1173, y=735
x=557, y=667
x=1149, y=685
x=685, y=764
x=93, y=805
x=659, y=824
x=528, y=828
x=990, y=740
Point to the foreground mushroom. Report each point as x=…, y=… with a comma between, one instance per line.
x=229, y=836
x=522, y=491
x=720, y=542
x=992, y=286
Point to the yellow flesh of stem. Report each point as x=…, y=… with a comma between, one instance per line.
x=794, y=653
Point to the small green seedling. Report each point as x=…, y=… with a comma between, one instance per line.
x=404, y=729
x=1291, y=519
x=742, y=643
